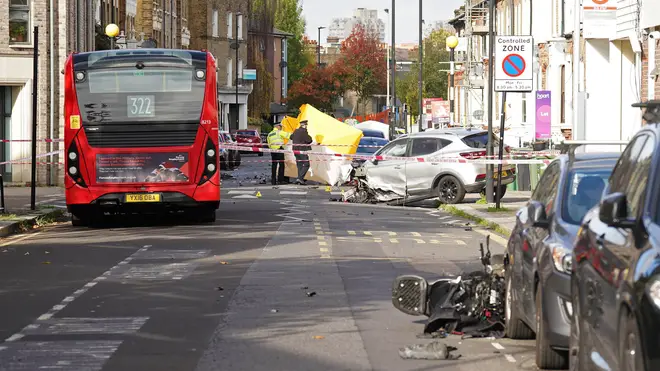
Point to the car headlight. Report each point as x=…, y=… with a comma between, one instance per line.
x=562, y=258
x=654, y=291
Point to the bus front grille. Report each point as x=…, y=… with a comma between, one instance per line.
x=141, y=135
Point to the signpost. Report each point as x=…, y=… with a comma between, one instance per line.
x=513, y=73
x=513, y=63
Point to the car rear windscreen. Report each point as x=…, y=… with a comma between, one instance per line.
x=479, y=140
x=247, y=133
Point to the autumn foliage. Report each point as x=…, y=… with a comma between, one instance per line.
x=319, y=86
x=361, y=68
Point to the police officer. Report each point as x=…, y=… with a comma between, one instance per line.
x=301, y=141
x=276, y=142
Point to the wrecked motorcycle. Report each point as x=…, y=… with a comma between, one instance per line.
x=471, y=304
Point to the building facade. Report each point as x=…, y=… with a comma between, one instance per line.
x=341, y=28
x=219, y=27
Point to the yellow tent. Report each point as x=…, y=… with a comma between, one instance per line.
x=325, y=130
x=332, y=136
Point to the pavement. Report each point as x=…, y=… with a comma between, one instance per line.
x=18, y=215
x=286, y=281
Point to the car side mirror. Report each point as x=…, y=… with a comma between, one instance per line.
x=614, y=211
x=409, y=294
x=374, y=161
x=537, y=215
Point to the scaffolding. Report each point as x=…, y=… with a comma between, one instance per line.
x=474, y=74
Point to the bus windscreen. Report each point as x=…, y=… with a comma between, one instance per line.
x=156, y=94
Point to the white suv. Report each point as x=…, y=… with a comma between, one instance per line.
x=449, y=181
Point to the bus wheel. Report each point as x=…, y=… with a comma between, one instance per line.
x=208, y=216
x=76, y=221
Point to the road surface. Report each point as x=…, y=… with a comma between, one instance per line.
x=283, y=280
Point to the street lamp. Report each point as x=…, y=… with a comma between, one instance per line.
x=112, y=30
x=318, y=50
x=452, y=43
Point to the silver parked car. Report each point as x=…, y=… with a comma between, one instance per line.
x=449, y=181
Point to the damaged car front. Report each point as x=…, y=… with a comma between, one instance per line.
x=440, y=174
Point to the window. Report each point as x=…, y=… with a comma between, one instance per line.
x=480, y=140
x=546, y=189
x=636, y=190
x=240, y=71
x=562, y=101
x=215, y=23
x=230, y=29
x=229, y=71
x=624, y=167
x=584, y=190
x=19, y=21
x=239, y=26
x=425, y=146
x=396, y=149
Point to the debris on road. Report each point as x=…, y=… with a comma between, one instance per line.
x=319, y=337
x=471, y=305
x=432, y=351
x=220, y=288
x=274, y=311
x=312, y=293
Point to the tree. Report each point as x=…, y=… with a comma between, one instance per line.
x=435, y=77
x=363, y=54
x=320, y=87
x=288, y=18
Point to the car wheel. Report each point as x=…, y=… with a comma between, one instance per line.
x=546, y=357
x=577, y=359
x=630, y=351
x=450, y=190
x=515, y=327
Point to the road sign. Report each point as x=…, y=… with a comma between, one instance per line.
x=513, y=63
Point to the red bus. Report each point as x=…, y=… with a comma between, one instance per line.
x=141, y=133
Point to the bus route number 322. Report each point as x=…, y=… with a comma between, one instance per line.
x=141, y=106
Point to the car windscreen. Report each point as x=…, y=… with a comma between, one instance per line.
x=479, y=140
x=370, y=145
x=584, y=189
x=131, y=95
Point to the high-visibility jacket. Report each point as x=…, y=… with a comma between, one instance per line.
x=276, y=138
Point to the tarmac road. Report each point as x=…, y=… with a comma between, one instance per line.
x=233, y=295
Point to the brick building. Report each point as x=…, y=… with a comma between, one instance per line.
x=218, y=25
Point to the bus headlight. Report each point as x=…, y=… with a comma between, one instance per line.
x=210, y=152
x=73, y=156
x=73, y=170
x=210, y=168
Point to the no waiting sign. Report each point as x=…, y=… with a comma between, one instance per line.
x=513, y=63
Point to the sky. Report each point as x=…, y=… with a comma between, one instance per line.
x=319, y=13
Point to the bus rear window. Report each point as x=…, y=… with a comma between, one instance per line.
x=120, y=95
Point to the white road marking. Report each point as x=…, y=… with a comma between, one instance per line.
x=171, y=255
x=75, y=295
x=245, y=196
x=241, y=192
x=150, y=272
x=453, y=221
x=510, y=358
x=57, y=355
x=419, y=241
x=298, y=193
x=416, y=234
x=19, y=239
x=497, y=346
x=108, y=325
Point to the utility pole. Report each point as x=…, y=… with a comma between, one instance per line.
x=393, y=122
x=387, y=61
x=577, y=132
x=238, y=48
x=421, y=65
x=318, y=47
x=491, y=92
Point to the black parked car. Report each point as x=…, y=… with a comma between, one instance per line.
x=616, y=265
x=229, y=158
x=539, y=253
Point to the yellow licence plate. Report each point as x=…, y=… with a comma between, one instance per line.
x=143, y=197
x=504, y=174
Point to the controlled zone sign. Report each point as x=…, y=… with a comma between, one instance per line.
x=513, y=63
